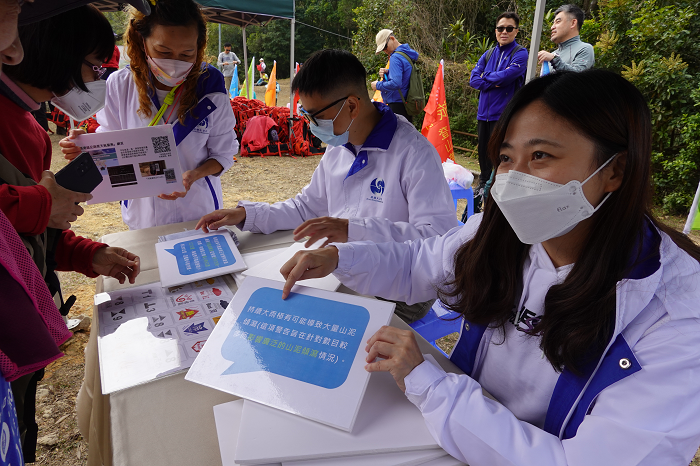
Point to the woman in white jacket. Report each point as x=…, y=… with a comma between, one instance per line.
x=165, y=84
x=581, y=311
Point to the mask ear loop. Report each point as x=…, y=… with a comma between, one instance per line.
x=595, y=209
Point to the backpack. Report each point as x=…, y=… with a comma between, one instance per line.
x=521, y=80
x=415, y=98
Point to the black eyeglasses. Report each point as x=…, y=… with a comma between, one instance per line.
x=98, y=70
x=505, y=28
x=311, y=117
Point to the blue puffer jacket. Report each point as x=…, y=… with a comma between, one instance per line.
x=498, y=79
x=398, y=75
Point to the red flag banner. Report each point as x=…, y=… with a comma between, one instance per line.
x=436, y=124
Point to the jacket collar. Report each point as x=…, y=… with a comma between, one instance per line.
x=12, y=91
x=569, y=42
x=382, y=134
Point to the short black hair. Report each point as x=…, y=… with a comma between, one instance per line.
x=329, y=70
x=78, y=33
x=510, y=15
x=227, y=44
x=574, y=11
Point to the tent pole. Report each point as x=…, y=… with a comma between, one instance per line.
x=245, y=69
x=535, y=42
x=291, y=68
x=219, y=37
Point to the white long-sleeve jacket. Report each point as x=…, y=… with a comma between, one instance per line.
x=639, y=404
x=209, y=136
x=396, y=192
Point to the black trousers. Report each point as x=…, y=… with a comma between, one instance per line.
x=484, y=130
x=400, y=109
x=24, y=393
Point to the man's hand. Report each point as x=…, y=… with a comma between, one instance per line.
x=382, y=71
x=68, y=147
x=543, y=56
x=118, y=263
x=64, y=203
x=374, y=85
x=219, y=218
x=308, y=264
x=399, y=350
x=335, y=229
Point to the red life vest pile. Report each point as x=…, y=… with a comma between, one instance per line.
x=254, y=132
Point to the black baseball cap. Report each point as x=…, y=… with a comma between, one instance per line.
x=42, y=9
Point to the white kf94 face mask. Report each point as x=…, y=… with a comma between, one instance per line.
x=81, y=105
x=539, y=210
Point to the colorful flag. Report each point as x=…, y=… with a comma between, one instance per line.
x=436, y=124
x=249, y=79
x=693, y=222
x=271, y=90
x=233, y=90
x=378, y=94
x=296, y=94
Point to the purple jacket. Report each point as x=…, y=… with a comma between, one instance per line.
x=498, y=79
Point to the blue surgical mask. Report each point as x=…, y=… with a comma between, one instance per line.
x=324, y=131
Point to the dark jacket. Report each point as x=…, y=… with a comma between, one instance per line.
x=498, y=79
x=398, y=75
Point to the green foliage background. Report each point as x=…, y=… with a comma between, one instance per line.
x=651, y=43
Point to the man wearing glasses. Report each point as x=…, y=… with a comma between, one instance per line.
x=380, y=180
x=573, y=54
x=498, y=74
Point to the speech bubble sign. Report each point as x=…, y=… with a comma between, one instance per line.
x=310, y=339
x=202, y=254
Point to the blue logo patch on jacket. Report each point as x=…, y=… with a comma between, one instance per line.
x=377, y=188
x=202, y=127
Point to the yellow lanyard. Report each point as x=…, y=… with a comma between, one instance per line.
x=168, y=101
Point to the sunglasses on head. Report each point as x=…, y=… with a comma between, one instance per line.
x=505, y=28
x=311, y=117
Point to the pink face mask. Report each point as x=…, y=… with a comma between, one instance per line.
x=169, y=72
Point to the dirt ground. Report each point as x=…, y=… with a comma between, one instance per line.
x=267, y=179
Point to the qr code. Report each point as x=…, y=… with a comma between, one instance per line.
x=169, y=175
x=160, y=144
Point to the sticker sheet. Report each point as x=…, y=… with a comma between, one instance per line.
x=148, y=332
x=198, y=257
x=304, y=355
x=134, y=163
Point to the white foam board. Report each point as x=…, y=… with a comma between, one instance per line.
x=304, y=355
x=403, y=458
x=253, y=259
x=270, y=269
x=444, y=461
x=387, y=422
x=228, y=420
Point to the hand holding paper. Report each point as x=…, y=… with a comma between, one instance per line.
x=308, y=264
x=399, y=352
x=334, y=229
x=68, y=146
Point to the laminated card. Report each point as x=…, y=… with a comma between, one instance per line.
x=197, y=257
x=134, y=163
x=304, y=355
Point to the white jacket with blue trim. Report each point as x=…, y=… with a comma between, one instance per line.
x=393, y=190
x=210, y=136
x=639, y=404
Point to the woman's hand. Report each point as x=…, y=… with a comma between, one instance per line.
x=308, y=264
x=220, y=218
x=209, y=167
x=68, y=147
x=118, y=263
x=399, y=350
